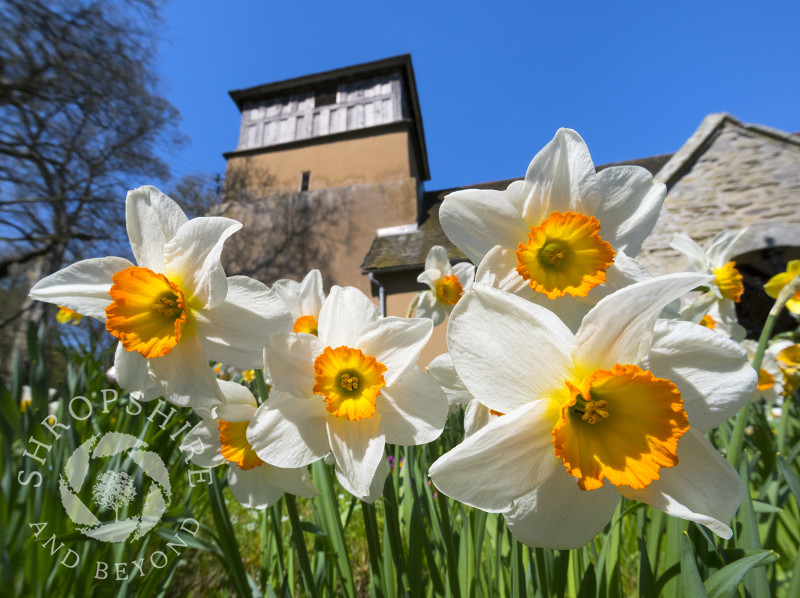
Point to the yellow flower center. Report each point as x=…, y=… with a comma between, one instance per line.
x=349, y=380
x=729, y=281
x=307, y=324
x=235, y=448
x=621, y=425
x=147, y=313
x=449, y=290
x=708, y=322
x=67, y=316
x=564, y=255
x=248, y=375
x=765, y=380
x=777, y=282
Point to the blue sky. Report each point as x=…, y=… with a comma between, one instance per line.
x=495, y=79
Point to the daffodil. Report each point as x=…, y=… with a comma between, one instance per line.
x=619, y=408
x=775, y=376
x=303, y=300
x=715, y=308
x=347, y=392
x=221, y=438
x=777, y=282
x=68, y=316
x=565, y=236
x=174, y=309
x=446, y=282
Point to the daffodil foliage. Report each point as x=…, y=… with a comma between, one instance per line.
x=576, y=389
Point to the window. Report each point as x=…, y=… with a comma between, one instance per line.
x=304, y=180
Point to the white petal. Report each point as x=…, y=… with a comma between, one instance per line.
x=294, y=481
x=428, y=307
x=152, y=220
x=686, y=245
x=375, y=489
x=721, y=248
x=236, y=412
x=131, y=370
x=288, y=291
x=630, y=205
x=437, y=260
x=192, y=259
x=413, y=409
x=430, y=277
x=476, y=220
x=698, y=307
x=289, y=432
x=711, y=371
x=310, y=294
x=396, y=343
x=252, y=488
x=236, y=331
x=345, y=313
x=82, y=287
x=443, y=371
x=500, y=462
x=202, y=445
x=289, y=359
x=465, y=272
x=619, y=329
x=559, y=515
x=358, y=447
x=476, y=417
x=560, y=178
x=506, y=350
x=183, y=375
x=236, y=394
x=703, y=487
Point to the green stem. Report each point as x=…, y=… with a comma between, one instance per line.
x=261, y=383
x=300, y=544
x=452, y=562
x=737, y=439
x=374, y=545
x=413, y=306
x=231, y=557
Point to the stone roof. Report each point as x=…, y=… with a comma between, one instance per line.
x=407, y=251
x=728, y=175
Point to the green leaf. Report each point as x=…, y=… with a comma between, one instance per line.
x=723, y=583
x=691, y=583
x=647, y=583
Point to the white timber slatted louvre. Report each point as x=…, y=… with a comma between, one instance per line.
x=315, y=113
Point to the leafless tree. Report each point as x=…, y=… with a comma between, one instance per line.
x=80, y=121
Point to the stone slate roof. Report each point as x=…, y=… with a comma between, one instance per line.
x=407, y=251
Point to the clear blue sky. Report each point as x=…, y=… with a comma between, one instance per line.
x=496, y=79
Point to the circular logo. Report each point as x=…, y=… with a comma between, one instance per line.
x=114, y=491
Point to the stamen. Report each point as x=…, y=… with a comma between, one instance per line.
x=349, y=382
x=552, y=254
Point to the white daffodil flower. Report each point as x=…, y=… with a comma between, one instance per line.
x=565, y=236
x=621, y=407
x=447, y=285
x=771, y=379
x=175, y=309
x=303, y=300
x=714, y=308
x=347, y=392
x=221, y=438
